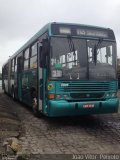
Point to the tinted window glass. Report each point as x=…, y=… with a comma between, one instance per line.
x=26, y=64
x=34, y=49
x=33, y=62
x=26, y=54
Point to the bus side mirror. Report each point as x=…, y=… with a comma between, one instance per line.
x=43, y=51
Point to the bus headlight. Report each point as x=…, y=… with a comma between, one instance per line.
x=107, y=95
x=58, y=96
x=66, y=96
x=113, y=95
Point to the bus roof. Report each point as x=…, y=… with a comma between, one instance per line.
x=46, y=28
x=77, y=24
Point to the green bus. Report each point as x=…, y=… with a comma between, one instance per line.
x=65, y=70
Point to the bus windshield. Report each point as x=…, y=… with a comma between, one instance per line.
x=75, y=59
x=102, y=59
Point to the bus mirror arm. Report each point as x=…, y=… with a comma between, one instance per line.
x=42, y=57
x=43, y=52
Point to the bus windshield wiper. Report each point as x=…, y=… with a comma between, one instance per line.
x=96, y=47
x=71, y=46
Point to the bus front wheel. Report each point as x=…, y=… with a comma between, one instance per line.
x=36, y=112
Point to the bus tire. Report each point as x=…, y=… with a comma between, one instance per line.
x=36, y=112
x=13, y=94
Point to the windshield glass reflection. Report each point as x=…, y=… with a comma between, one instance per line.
x=81, y=59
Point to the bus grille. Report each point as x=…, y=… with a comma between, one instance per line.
x=86, y=87
x=85, y=95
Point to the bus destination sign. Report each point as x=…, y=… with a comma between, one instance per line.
x=95, y=33
x=82, y=31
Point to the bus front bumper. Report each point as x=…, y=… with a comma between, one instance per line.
x=65, y=108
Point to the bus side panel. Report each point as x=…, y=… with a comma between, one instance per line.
x=25, y=88
x=44, y=90
x=29, y=86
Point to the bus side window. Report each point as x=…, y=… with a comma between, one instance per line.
x=12, y=65
x=15, y=64
x=19, y=64
x=34, y=49
x=33, y=58
x=26, y=59
x=6, y=72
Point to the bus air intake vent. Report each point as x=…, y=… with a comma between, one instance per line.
x=89, y=87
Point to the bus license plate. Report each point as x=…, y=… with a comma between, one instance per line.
x=88, y=106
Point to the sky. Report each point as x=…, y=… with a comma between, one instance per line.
x=21, y=19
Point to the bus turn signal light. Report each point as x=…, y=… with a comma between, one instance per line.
x=51, y=96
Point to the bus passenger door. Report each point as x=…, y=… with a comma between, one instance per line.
x=40, y=81
x=42, y=57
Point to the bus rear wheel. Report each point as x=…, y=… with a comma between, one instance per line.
x=13, y=94
x=4, y=89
